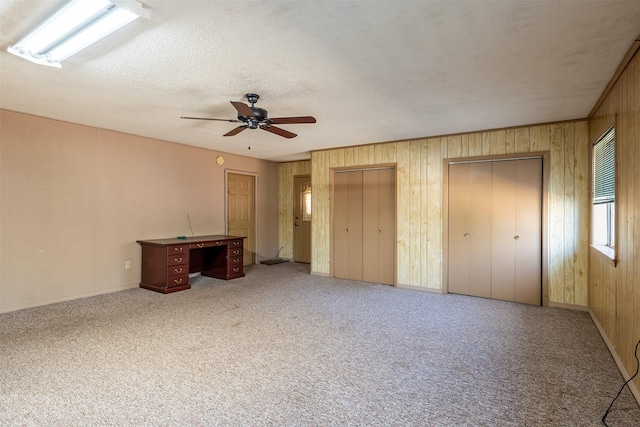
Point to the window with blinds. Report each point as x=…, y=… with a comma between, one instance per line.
x=604, y=169
x=604, y=190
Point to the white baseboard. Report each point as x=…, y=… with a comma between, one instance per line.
x=612, y=350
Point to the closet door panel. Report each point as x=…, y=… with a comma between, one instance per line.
x=458, y=256
x=370, y=243
x=355, y=224
x=386, y=225
x=528, y=229
x=502, y=230
x=364, y=225
x=341, y=225
x=480, y=207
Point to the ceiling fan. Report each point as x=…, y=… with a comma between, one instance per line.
x=254, y=117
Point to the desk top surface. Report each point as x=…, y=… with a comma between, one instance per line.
x=194, y=239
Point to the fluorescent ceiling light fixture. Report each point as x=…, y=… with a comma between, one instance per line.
x=77, y=25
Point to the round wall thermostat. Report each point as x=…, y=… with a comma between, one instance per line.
x=220, y=160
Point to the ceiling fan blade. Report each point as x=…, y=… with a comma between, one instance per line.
x=218, y=120
x=235, y=131
x=292, y=120
x=279, y=131
x=243, y=109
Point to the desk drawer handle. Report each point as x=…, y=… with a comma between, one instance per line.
x=178, y=270
x=200, y=245
x=177, y=281
x=236, y=243
x=235, y=252
x=178, y=260
x=219, y=243
x=236, y=269
x=178, y=249
x=236, y=260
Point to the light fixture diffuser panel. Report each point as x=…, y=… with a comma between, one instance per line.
x=77, y=25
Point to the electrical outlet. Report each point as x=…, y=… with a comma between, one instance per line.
x=127, y=264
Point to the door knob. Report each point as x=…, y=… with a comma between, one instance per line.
x=346, y=229
x=466, y=234
x=516, y=237
x=379, y=231
x=296, y=224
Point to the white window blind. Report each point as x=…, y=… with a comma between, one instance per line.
x=604, y=169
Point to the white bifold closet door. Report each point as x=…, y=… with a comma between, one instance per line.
x=364, y=225
x=495, y=230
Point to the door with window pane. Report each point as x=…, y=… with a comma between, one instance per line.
x=301, y=219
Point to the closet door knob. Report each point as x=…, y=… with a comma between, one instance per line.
x=379, y=231
x=466, y=234
x=346, y=229
x=516, y=237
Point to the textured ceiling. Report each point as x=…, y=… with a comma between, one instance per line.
x=368, y=71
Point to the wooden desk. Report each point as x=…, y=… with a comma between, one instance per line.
x=166, y=263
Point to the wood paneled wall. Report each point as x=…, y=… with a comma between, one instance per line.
x=614, y=292
x=419, y=163
x=285, y=201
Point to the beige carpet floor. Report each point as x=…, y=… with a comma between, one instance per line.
x=281, y=347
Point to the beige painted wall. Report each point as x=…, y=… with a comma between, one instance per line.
x=614, y=291
x=76, y=198
x=419, y=216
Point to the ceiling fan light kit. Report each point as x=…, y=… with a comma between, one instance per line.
x=256, y=118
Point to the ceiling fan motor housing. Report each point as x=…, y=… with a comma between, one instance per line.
x=259, y=116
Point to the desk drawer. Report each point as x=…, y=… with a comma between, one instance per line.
x=178, y=259
x=205, y=244
x=235, y=252
x=235, y=271
x=175, y=281
x=177, y=270
x=235, y=243
x=178, y=250
x=234, y=261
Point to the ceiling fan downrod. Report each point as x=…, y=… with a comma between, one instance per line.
x=252, y=98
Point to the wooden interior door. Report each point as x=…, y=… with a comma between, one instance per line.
x=459, y=229
x=480, y=178
x=241, y=212
x=378, y=223
x=517, y=231
x=495, y=230
x=354, y=226
x=528, y=232
x=503, y=226
x=347, y=229
x=340, y=225
x=301, y=225
x=364, y=225
x=469, y=271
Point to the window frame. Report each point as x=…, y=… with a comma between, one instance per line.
x=608, y=252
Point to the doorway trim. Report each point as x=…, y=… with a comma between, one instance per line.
x=544, y=155
x=226, y=206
